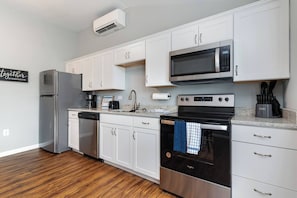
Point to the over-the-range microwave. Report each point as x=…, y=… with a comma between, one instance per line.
x=202, y=64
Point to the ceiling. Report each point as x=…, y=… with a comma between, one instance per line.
x=77, y=15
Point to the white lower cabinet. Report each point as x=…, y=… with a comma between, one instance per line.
x=73, y=130
x=135, y=146
x=264, y=162
x=247, y=188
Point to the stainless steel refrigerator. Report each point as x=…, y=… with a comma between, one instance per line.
x=58, y=92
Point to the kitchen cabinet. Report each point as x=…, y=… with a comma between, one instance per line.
x=130, y=54
x=204, y=32
x=116, y=139
x=261, y=41
x=91, y=78
x=74, y=67
x=73, y=130
x=146, y=136
x=99, y=72
x=132, y=142
x=264, y=162
x=157, y=64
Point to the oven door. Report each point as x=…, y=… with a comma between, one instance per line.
x=212, y=163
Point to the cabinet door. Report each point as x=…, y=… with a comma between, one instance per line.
x=87, y=83
x=123, y=146
x=157, y=64
x=107, y=142
x=185, y=37
x=74, y=67
x=147, y=152
x=215, y=30
x=130, y=53
x=73, y=134
x=261, y=42
x=97, y=74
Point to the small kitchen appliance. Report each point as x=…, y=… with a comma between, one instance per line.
x=114, y=104
x=267, y=105
x=91, y=101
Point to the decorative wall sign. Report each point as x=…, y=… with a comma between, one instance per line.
x=13, y=75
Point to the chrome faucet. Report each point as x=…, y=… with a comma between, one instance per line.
x=135, y=106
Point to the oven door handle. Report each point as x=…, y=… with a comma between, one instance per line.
x=202, y=126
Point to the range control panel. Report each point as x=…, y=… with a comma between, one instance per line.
x=216, y=100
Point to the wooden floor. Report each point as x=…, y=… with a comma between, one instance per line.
x=38, y=173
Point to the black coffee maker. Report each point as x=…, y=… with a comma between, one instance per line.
x=91, y=101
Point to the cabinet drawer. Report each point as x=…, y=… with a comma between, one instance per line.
x=266, y=136
x=73, y=114
x=116, y=119
x=245, y=188
x=148, y=123
x=276, y=166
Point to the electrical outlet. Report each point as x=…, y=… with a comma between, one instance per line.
x=120, y=97
x=6, y=132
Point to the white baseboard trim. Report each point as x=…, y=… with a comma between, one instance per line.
x=19, y=150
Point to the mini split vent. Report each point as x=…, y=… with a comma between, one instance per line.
x=110, y=22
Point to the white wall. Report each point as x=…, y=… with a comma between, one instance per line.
x=291, y=91
x=27, y=43
x=144, y=21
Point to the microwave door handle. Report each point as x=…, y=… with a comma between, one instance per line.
x=217, y=60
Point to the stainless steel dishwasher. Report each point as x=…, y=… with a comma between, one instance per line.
x=89, y=135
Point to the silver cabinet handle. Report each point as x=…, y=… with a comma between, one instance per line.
x=262, y=136
x=115, y=133
x=190, y=167
x=236, y=70
x=133, y=135
x=196, y=39
x=200, y=38
x=262, y=155
x=111, y=131
x=101, y=83
x=262, y=193
x=146, y=123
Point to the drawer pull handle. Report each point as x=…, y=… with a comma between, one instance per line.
x=146, y=123
x=262, y=136
x=262, y=155
x=190, y=167
x=262, y=193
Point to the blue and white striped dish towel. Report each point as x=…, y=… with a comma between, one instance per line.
x=193, y=137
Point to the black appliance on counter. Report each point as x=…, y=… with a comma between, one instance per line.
x=114, y=104
x=267, y=105
x=91, y=101
x=208, y=173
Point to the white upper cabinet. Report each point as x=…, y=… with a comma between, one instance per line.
x=92, y=67
x=130, y=54
x=204, y=32
x=217, y=29
x=74, y=67
x=157, y=64
x=261, y=42
x=99, y=72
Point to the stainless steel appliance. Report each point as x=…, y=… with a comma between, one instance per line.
x=89, y=123
x=202, y=64
x=91, y=101
x=58, y=92
x=207, y=173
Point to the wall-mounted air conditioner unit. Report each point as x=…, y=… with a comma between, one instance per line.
x=110, y=22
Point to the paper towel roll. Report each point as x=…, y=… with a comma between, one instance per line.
x=161, y=96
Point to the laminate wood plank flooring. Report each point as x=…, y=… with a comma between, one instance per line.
x=38, y=173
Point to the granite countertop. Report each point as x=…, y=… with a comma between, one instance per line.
x=122, y=112
x=248, y=118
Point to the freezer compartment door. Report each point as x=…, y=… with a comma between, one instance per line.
x=47, y=123
x=48, y=82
